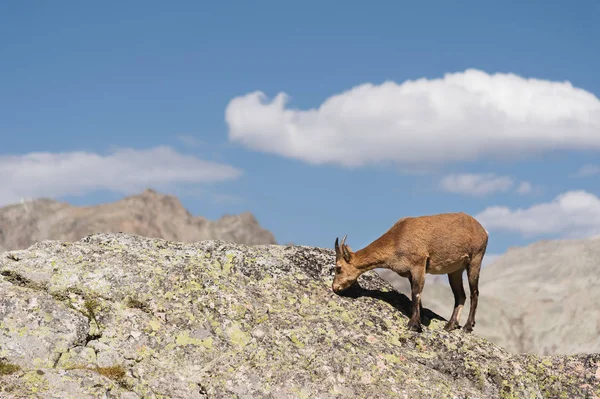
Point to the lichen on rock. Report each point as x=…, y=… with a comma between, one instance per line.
x=215, y=320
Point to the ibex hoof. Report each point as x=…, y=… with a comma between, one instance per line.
x=413, y=326
x=451, y=326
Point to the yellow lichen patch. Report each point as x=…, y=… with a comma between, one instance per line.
x=240, y=311
x=237, y=336
x=334, y=305
x=36, y=381
x=190, y=316
x=345, y=316
x=39, y=362
x=207, y=342
x=184, y=338
x=170, y=347
x=144, y=351
x=391, y=358
x=296, y=341
x=305, y=300
x=154, y=324
x=192, y=286
x=302, y=394
x=71, y=357
x=228, y=265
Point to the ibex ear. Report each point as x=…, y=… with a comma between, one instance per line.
x=337, y=247
x=346, y=253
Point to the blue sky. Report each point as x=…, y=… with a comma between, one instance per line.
x=98, y=101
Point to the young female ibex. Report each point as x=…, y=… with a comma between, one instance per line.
x=447, y=243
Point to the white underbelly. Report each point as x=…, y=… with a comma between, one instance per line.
x=448, y=266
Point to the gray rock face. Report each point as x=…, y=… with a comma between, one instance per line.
x=542, y=298
x=123, y=316
x=149, y=214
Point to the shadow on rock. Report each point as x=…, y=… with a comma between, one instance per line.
x=398, y=300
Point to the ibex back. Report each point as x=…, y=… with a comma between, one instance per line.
x=446, y=243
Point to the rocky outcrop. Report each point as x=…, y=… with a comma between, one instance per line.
x=125, y=316
x=542, y=298
x=149, y=214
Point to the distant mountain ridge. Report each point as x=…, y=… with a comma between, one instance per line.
x=149, y=214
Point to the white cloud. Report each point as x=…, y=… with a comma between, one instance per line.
x=571, y=214
x=588, y=170
x=462, y=116
x=124, y=170
x=476, y=184
x=482, y=184
x=524, y=188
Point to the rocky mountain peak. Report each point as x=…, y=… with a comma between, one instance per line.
x=148, y=213
x=126, y=316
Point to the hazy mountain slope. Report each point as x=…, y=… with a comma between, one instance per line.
x=149, y=214
x=555, y=285
x=542, y=298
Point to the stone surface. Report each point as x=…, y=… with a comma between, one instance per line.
x=123, y=316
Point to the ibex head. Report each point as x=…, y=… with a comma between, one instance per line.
x=345, y=272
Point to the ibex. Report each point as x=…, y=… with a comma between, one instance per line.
x=446, y=243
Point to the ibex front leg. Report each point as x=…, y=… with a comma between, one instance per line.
x=417, y=281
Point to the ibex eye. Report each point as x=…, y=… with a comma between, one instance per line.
x=338, y=269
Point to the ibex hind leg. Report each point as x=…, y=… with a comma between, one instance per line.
x=456, y=283
x=473, y=270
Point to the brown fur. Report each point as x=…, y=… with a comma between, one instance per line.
x=447, y=243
